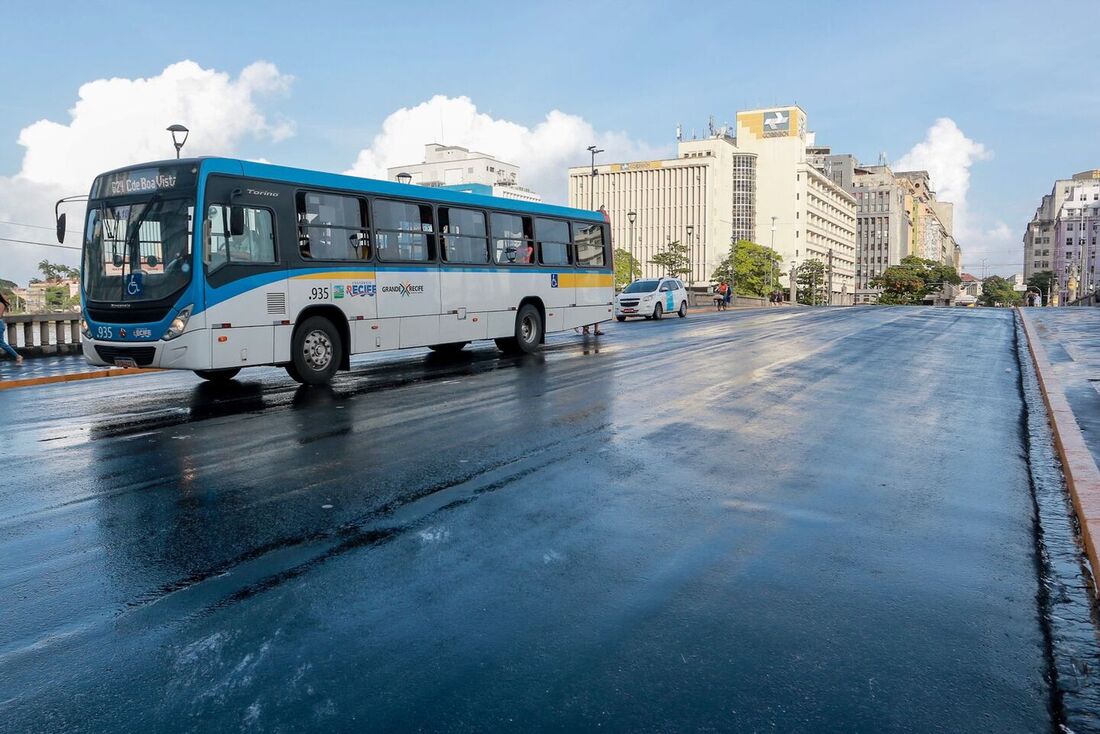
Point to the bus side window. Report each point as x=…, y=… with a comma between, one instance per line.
x=588, y=239
x=255, y=245
x=553, y=237
x=332, y=227
x=513, y=239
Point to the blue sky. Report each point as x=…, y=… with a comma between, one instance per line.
x=1016, y=77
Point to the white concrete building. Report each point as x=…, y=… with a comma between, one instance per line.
x=453, y=166
x=799, y=207
x=704, y=198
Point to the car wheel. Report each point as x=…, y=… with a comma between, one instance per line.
x=683, y=312
x=316, y=351
x=528, y=333
x=452, y=348
x=620, y=318
x=218, y=375
x=658, y=312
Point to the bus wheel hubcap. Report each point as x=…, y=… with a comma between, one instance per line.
x=527, y=329
x=317, y=349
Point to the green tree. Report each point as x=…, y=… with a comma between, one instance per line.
x=913, y=279
x=54, y=272
x=1043, y=281
x=627, y=269
x=675, y=259
x=996, y=291
x=813, y=283
x=746, y=267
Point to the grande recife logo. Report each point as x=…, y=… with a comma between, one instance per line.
x=404, y=289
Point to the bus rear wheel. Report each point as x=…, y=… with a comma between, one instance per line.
x=452, y=348
x=315, y=351
x=218, y=375
x=528, y=333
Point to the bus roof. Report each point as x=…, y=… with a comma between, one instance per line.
x=306, y=177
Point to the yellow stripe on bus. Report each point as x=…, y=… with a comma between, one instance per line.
x=584, y=280
x=351, y=275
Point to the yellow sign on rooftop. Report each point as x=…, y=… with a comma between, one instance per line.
x=780, y=122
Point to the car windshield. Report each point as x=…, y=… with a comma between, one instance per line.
x=642, y=286
x=139, y=251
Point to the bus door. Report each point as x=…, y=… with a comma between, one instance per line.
x=245, y=284
x=555, y=252
x=407, y=276
x=593, y=263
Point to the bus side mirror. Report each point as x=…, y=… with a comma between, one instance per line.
x=61, y=228
x=236, y=221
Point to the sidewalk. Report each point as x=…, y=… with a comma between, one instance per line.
x=1065, y=345
x=60, y=368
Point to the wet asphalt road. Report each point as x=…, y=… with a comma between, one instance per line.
x=767, y=520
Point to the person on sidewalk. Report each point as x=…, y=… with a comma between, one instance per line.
x=728, y=296
x=4, y=346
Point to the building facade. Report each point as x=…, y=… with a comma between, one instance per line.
x=883, y=226
x=800, y=211
x=705, y=198
x=452, y=166
x=1062, y=236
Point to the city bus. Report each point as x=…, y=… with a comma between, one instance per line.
x=216, y=264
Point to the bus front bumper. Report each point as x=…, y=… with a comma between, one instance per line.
x=189, y=351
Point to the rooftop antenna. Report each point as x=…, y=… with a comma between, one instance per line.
x=882, y=158
x=679, y=133
x=710, y=125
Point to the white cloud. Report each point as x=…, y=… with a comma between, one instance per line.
x=116, y=122
x=948, y=155
x=542, y=152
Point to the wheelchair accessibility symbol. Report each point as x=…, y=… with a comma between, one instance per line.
x=553, y=280
x=135, y=285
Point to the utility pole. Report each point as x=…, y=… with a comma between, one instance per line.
x=794, y=283
x=829, y=279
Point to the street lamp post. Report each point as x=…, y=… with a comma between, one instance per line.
x=404, y=177
x=630, y=217
x=176, y=130
x=592, y=188
x=771, y=254
x=690, y=229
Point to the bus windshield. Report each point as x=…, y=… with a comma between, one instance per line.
x=137, y=251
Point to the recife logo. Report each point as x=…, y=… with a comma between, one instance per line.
x=359, y=290
x=405, y=289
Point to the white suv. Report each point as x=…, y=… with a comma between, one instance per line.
x=652, y=298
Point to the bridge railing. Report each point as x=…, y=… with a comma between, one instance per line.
x=44, y=333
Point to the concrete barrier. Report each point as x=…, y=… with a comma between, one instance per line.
x=36, y=334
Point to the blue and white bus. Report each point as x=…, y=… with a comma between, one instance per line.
x=213, y=264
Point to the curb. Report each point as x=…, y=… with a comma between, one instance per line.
x=74, y=377
x=1082, y=475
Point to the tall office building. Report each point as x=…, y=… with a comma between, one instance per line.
x=703, y=198
x=802, y=212
x=884, y=226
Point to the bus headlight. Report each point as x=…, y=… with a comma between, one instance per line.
x=85, y=329
x=178, y=324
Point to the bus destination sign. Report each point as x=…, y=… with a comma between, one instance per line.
x=142, y=181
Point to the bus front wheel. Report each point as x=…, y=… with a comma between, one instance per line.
x=315, y=351
x=528, y=333
x=218, y=375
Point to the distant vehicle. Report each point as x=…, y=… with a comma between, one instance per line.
x=214, y=264
x=652, y=298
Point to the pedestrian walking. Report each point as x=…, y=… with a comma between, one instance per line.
x=728, y=295
x=4, y=346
